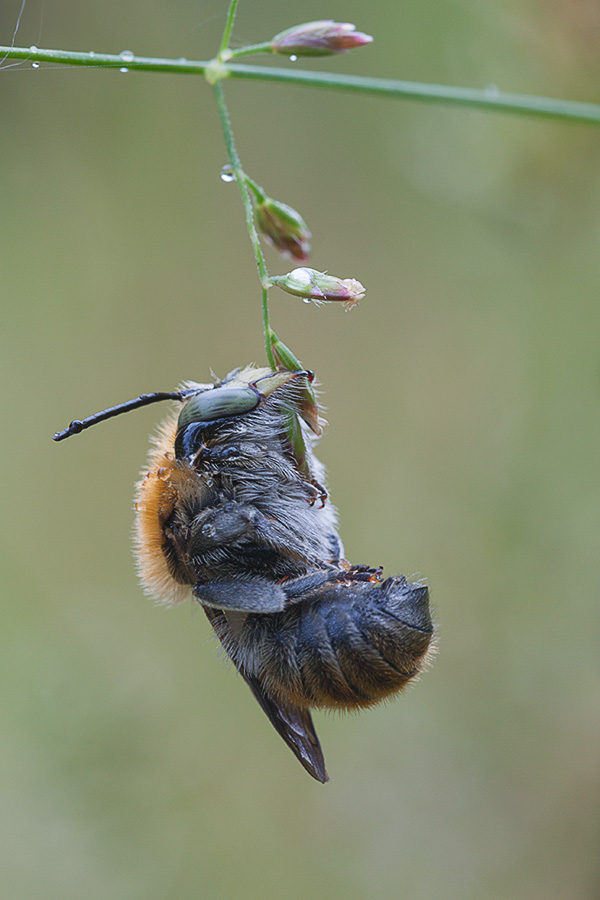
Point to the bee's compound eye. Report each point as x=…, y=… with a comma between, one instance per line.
x=211, y=406
x=219, y=403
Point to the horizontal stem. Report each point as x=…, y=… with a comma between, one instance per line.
x=487, y=99
x=105, y=60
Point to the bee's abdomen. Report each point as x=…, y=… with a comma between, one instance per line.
x=351, y=646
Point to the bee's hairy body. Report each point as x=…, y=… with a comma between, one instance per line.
x=174, y=493
x=229, y=508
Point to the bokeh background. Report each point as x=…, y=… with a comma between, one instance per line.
x=463, y=398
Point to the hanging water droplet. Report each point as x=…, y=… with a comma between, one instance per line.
x=33, y=48
x=126, y=55
x=35, y=65
x=293, y=58
x=227, y=174
x=124, y=70
x=492, y=91
x=306, y=300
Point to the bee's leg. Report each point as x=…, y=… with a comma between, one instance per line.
x=298, y=589
x=304, y=586
x=223, y=524
x=319, y=493
x=233, y=523
x=252, y=595
x=337, y=549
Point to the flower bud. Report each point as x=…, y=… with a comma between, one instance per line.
x=320, y=287
x=322, y=38
x=284, y=228
x=307, y=404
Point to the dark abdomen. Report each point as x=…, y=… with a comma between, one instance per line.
x=348, y=645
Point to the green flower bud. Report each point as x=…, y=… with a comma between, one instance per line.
x=320, y=287
x=284, y=228
x=323, y=38
x=307, y=406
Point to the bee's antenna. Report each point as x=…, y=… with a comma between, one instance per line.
x=77, y=425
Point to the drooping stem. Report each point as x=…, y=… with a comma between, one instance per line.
x=269, y=334
x=238, y=172
x=228, y=27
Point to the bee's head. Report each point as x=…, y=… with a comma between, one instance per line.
x=240, y=393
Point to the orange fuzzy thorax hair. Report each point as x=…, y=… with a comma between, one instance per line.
x=163, y=481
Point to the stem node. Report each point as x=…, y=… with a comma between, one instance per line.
x=215, y=71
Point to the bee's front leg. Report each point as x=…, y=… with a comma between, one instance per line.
x=320, y=493
x=234, y=523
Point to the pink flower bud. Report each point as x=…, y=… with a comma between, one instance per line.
x=284, y=228
x=322, y=38
x=320, y=287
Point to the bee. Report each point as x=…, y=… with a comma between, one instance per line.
x=231, y=506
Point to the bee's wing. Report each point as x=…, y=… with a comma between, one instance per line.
x=292, y=723
x=296, y=727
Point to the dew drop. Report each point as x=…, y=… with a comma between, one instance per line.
x=492, y=91
x=293, y=58
x=227, y=174
x=306, y=300
x=126, y=55
x=124, y=70
x=33, y=48
x=91, y=54
x=35, y=65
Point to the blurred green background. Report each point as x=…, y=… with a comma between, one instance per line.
x=463, y=397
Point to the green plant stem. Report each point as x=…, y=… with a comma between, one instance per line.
x=228, y=27
x=485, y=99
x=255, y=188
x=251, y=50
x=447, y=95
x=236, y=168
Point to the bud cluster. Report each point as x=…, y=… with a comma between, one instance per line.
x=283, y=227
